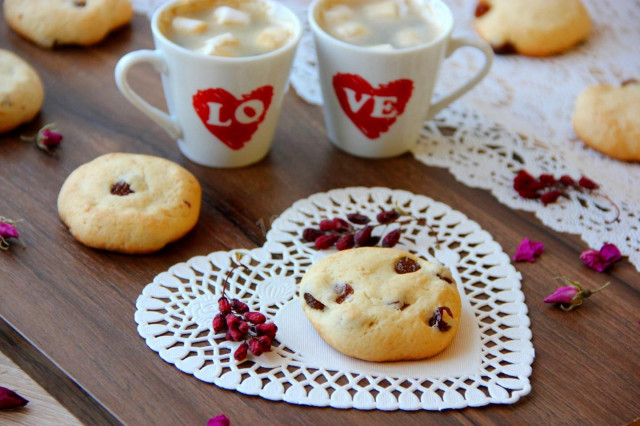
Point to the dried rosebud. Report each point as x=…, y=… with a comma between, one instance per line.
x=550, y=197
x=219, y=323
x=528, y=250
x=392, y=238
x=9, y=399
x=238, y=306
x=345, y=242
x=255, y=347
x=241, y=352
x=571, y=296
x=220, y=420
x=7, y=232
x=363, y=236
x=224, y=306
x=587, y=183
x=387, y=216
x=602, y=259
x=311, y=234
x=267, y=329
x=265, y=343
x=255, y=317
x=47, y=139
x=358, y=219
x=325, y=241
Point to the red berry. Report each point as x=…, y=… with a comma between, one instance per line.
x=547, y=179
x=238, y=306
x=243, y=327
x=224, y=306
x=345, y=242
x=255, y=347
x=267, y=329
x=566, y=180
x=310, y=234
x=219, y=323
x=341, y=225
x=550, y=197
x=232, y=321
x=363, y=236
x=392, y=238
x=372, y=242
x=325, y=241
x=255, y=317
x=241, y=352
x=358, y=219
x=387, y=216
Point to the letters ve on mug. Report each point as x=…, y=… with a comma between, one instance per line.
x=372, y=110
x=233, y=121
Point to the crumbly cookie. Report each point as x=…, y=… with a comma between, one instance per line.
x=57, y=22
x=129, y=203
x=381, y=304
x=607, y=118
x=21, y=91
x=532, y=27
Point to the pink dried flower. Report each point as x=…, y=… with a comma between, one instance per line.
x=7, y=232
x=571, y=296
x=602, y=259
x=47, y=139
x=9, y=399
x=220, y=420
x=528, y=250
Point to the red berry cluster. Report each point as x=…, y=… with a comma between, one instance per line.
x=548, y=189
x=355, y=231
x=244, y=326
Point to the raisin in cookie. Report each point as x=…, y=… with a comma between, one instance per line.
x=57, y=22
x=21, y=91
x=381, y=304
x=129, y=203
x=607, y=118
x=532, y=27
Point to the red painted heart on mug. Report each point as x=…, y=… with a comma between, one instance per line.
x=233, y=121
x=372, y=110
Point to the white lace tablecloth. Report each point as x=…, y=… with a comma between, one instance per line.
x=519, y=117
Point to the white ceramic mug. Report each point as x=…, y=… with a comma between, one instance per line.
x=375, y=101
x=223, y=111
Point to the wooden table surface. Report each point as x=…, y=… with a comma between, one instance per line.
x=67, y=310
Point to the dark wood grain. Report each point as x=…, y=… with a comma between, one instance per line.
x=74, y=306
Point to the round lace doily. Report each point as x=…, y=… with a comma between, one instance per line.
x=489, y=360
x=519, y=117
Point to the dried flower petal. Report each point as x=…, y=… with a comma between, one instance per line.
x=9, y=399
x=528, y=250
x=220, y=420
x=601, y=260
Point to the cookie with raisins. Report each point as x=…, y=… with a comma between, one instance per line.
x=381, y=304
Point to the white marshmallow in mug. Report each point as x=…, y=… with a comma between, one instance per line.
x=337, y=14
x=184, y=25
x=219, y=45
x=225, y=15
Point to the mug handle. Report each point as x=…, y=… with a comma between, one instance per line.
x=153, y=57
x=455, y=44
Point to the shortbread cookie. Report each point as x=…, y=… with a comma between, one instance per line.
x=57, y=22
x=129, y=203
x=381, y=304
x=532, y=27
x=607, y=118
x=21, y=91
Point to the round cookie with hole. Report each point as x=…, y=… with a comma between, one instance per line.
x=129, y=203
x=50, y=23
x=381, y=304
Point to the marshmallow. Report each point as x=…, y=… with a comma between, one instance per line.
x=384, y=10
x=337, y=14
x=350, y=30
x=187, y=25
x=273, y=37
x=225, y=15
x=408, y=37
x=219, y=45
